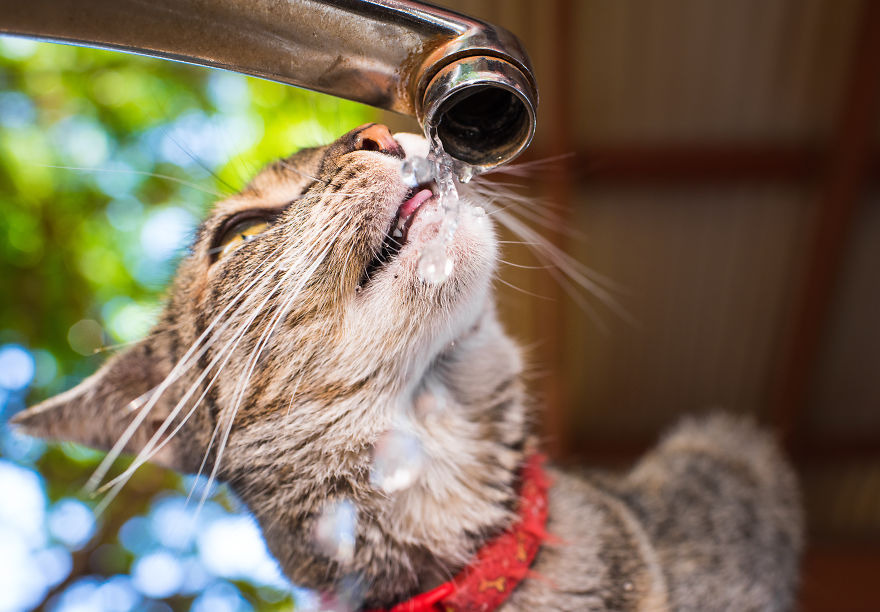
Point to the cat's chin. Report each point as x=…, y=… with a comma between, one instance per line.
x=423, y=317
x=471, y=254
x=472, y=250
x=411, y=227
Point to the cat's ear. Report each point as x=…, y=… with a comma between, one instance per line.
x=98, y=411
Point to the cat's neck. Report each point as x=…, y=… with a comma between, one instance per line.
x=468, y=411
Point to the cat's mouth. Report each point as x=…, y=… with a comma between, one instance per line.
x=398, y=231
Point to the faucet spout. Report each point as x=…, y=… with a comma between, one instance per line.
x=468, y=83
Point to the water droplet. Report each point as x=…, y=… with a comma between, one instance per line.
x=398, y=459
x=416, y=171
x=448, y=193
x=330, y=602
x=335, y=531
x=431, y=215
x=435, y=265
x=466, y=172
x=428, y=406
x=347, y=596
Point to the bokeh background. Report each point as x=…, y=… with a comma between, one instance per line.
x=716, y=162
x=107, y=163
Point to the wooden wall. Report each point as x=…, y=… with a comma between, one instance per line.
x=722, y=174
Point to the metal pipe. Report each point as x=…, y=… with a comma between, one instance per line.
x=468, y=83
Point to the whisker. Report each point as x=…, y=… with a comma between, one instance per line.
x=148, y=451
x=288, y=166
x=118, y=345
x=249, y=368
x=166, y=177
x=583, y=304
x=198, y=161
x=202, y=468
x=521, y=290
x=523, y=242
x=179, y=368
x=116, y=484
x=567, y=265
x=524, y=168
x=562, y=260
x=538, y=210
x=293, y=393
x=523, y=266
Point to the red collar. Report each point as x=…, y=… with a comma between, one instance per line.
x=501, y=564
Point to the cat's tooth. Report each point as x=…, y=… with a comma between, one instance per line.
x=399, y=228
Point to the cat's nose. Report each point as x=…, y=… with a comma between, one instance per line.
x=377, y=137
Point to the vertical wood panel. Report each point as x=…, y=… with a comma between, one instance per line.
x=842, y=190
x=558, y=186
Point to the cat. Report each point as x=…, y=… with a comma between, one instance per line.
x=298, y=332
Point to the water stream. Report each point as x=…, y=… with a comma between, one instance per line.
x=435, y=264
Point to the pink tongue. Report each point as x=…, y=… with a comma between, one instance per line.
x=410, y=206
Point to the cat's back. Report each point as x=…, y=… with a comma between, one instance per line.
x=597, y=556
x=708, y=520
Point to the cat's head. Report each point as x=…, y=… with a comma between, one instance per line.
x=298, y=330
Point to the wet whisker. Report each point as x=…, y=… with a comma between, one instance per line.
x=256, y=353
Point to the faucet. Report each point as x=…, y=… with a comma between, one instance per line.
x=469, y=84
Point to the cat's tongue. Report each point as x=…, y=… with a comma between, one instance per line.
x=412, y=204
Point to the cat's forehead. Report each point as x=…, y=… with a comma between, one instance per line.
x=282, y=181
x=277, y=184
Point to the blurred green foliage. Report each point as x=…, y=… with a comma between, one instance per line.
x=107, y=162
x=96, y=144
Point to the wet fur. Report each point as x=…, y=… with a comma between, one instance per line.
x=709, y=520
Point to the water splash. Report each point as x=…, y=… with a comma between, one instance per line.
x=417, y=171
x=435, y=262
x=335, y=531
x=466, y=172
x=347, y=596
x=398, y=459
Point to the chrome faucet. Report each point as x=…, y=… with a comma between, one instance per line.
x=468, y=83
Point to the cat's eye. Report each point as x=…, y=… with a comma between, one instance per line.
x=239, y=233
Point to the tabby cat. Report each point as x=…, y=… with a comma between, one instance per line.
x=298, y=332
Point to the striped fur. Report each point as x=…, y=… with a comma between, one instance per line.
x=294, y=364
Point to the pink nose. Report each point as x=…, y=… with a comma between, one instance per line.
x=377, y=137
